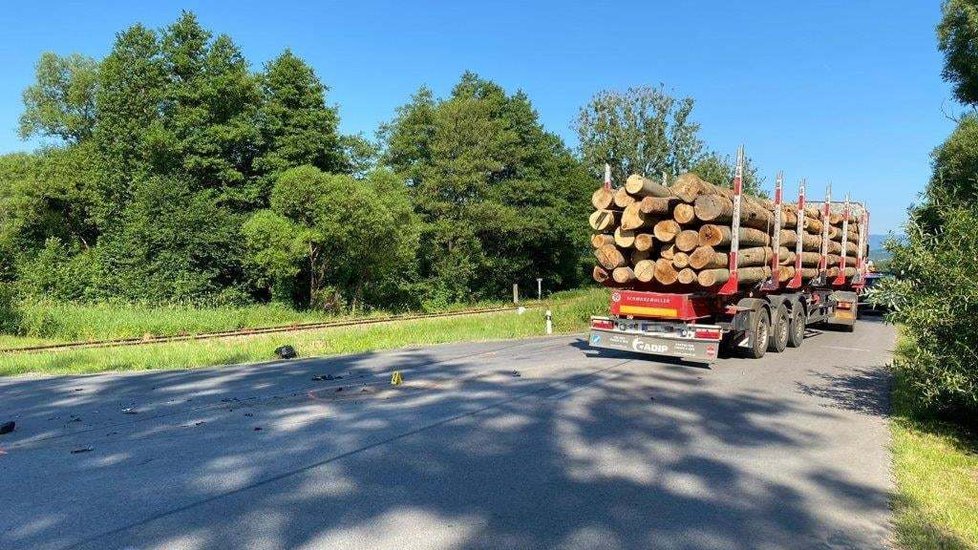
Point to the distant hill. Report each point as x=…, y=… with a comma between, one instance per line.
x=876, y=250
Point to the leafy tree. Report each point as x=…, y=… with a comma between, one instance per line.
x=957, y=36
x=296, y=125
x=500, y=197
x=61, y=103
x=349, y=240
x=275, y=248
x=720, y=170
x=643, y=130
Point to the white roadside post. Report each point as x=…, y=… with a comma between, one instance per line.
x=516, y=293
x=550, y=323
x=539, y=288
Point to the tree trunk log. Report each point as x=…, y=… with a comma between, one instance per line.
x=687, y=240
x=666, y=230
x=600, y=239
x=624, y=237
x=609, y=257
x=667, y=251
x=623, y=275
x=602, y=198
x=599, y=274
x=719, y=235
x=657, y=206
x=747, y=275
x=684, y=213
x=686, y=276
x=644, y=187
x=633, y=218
x=604, y=220
x=644, y=241
x=705, y=257
x=645, y=271
x=719, y=209
x=665, y=273
x=680, y=260
x=622, y=198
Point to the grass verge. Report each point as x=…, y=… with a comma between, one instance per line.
x=570, y=314
x=936, y=469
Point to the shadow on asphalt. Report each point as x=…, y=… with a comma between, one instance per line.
x=472, y=471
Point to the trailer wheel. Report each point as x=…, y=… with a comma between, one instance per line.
x=796, y=329
x=760, y=333
x=780, y=328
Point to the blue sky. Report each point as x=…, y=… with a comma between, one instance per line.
x=842, y=91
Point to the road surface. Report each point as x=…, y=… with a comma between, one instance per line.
x=537, y=443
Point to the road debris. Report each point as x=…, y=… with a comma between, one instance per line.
x=339, y=388
x=129, y=410
x=257, y=428
x=286, y=352
x=516, y=374
x=7, y=427
x=82, y=450
x=326, y=377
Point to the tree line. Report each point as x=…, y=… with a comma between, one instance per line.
x=176, y=173
x=934, y=293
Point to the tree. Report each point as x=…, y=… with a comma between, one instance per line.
x=720, y=170
x=351, y=241
x=275, y=247
x=296, y=125
x=643, y=130
x=957, y=36
x=500, y=197
x=61, y=103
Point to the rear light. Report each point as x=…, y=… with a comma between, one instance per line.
x=602, y=324
x=707, y=334
x=845, y=305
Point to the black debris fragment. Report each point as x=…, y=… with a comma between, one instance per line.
x=82, y=450
x=286, y=352
x=326, y=377
x=257, y=428
x=516, y=374
x=7, y=427
x=249, y=414
x=339, y=389
x=129, y=410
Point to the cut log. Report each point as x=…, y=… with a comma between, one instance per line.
x=812, y=225
x=602, y=198
x=746, y=275
x=665, y=273
x=666, y=230
x=639, y=255
x=622, y=198
x=810, y=259
x=609, y=257
x=686, y=276
x=623, y=275
x=705, y=257
x=719, y=235
x=656, y=206
x=624, y=237
x=644, y=241
x=600, y=239
x=604, y=220
x=786, y=273
x=808, y=241
x=719, y=209
x=633, y=218
x=599, y=274
x=684, y=214
x=645, y=271
x=687, y=240
x=667, y=251
x=644, y=187
x=680, y=260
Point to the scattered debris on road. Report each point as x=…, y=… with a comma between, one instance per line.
x=7, y=427
x=129, y=410
x=82, y=450
x=257, y=428
x=286, y=352
x=326, y=377
x=516, y=374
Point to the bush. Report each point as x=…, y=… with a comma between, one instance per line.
x=9, y=312
x=935, y=297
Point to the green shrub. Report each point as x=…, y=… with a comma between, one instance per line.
x=9, y=312
x=935, y=297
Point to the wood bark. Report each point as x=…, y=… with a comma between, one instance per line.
x=633, y=218
x=657, y=206
x=745, y=276
x=719, y=235
x=623, y=275
x=719, y=209
x=624, y=237
x=667, y=251
x=645, y=187
x=622, y=198
x=599, y=274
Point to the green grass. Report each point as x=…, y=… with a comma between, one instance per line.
x=51, y=322
x=570, y=309
x=936, y=469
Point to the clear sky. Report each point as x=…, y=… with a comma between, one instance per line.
x=841, y=91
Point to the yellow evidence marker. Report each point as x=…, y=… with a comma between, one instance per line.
x=396, y=378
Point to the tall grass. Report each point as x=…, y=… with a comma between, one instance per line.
x=571, y=311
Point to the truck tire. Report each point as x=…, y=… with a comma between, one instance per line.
x=796, y=329
x=760, y=333
x=780, y=328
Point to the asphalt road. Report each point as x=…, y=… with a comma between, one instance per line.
x=581, y=449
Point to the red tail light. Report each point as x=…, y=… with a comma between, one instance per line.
x=602, y=324
x=708, y=334
x=845, y=305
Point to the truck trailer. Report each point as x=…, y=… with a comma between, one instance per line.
x=748, y=320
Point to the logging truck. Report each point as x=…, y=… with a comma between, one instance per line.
x=748, y=299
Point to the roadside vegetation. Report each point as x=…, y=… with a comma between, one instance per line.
x=934, y=298
x=571, y=312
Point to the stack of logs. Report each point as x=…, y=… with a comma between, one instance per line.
x=646, y=233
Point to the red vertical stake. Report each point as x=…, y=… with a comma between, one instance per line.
x=732, y=284
x=799, y=233
x=607, y=176
x=775, y=281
